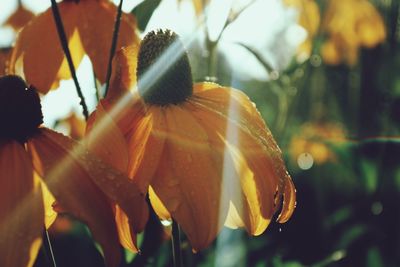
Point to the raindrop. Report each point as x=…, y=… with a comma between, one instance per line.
x=172, y=182
x=110, y=176
x=376, y=208
x=305, y=161
x=315, y=60
x=166, y=223
x=274, y=75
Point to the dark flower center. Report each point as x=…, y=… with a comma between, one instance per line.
x=20, y=109
x=163, y=70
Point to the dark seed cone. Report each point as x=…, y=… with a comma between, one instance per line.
x=20, y=109
x=171, y=86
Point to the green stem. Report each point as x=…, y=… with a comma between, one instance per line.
x=64, y=44
x=113, y=45
x=176, y=245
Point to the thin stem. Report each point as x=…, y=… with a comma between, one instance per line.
x=47, y=244
x=64, y=44
x=96, y=87
x=113, y=45
x=176, y=245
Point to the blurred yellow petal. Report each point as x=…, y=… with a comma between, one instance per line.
x=330, y=53
x=21, y=208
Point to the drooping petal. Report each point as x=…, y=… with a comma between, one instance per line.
x=107, y=142
x=21, y=208
x=96, y=31
x=230, y=116
x=72, y=175
x=249, y=179
x=146, y=146
x=187, y=181
x=223, y=99
x=39, y=48
x=126, y=237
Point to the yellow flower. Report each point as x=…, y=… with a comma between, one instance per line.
x=350, y=25
x=33, y=159
x=88, y=26
x=309, y=19
x=314, y=140
x=202, y=151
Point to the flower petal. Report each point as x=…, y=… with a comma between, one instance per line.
x=123, y=77
x=72, y=175
x=39, y=48
x=106, y=140
x=230, y=116
x=187, y=181
x=127, y=239
x=96, y=29
x=21, y=208
x=146, y=146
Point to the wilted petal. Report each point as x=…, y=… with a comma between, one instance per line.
x=21, y=208
x=187, y=182
x=96, y=26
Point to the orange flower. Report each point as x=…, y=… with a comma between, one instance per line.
x=88, y=26
x=202, y=151
x=33, y=159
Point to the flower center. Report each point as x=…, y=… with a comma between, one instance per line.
x=20, y=109
x=163, y=71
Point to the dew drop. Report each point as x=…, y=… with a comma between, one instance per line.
x=110, y=176
x=305, y=161
x=166, y=223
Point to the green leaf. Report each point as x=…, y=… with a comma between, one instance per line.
x=144, y=11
